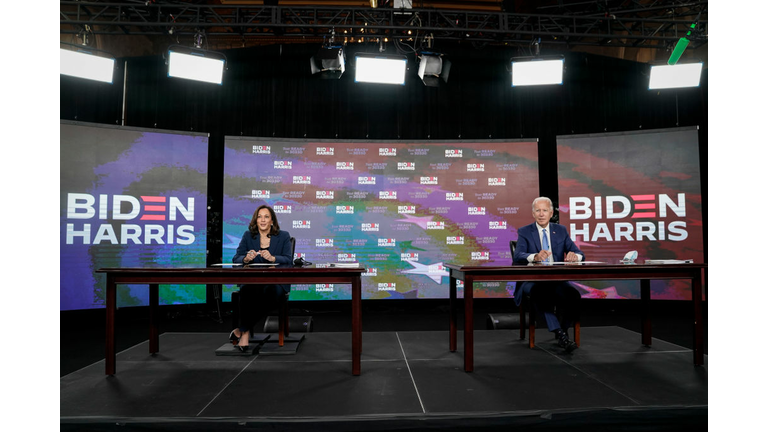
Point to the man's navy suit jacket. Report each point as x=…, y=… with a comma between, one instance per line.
x=528, y=243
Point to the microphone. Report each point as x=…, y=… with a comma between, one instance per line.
x=300, y=262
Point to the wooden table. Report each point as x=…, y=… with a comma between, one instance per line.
x=238, y=275
x=569, y=272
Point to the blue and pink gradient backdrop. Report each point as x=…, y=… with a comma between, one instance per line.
x=108, y=160
x=425, y=232
x=640, y=167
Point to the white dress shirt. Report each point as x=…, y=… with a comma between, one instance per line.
x=549, y=239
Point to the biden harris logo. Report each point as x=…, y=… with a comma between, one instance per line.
x=301, y=224
x=283, y=165
x=366, y=180
x=387, y=286
x=282, y=208
x=304, y=179
x=629, y=218
x=346, y=257
x=158, y=218
x=497, y=181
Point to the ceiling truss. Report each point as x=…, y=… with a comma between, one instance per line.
x=641, y=25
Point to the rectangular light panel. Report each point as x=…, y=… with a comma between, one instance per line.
x=88, y=66
x=380, y=70
x=675, y=76
x=195, y=67
x=537, y=72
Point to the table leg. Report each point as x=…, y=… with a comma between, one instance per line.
x=645, y=298
x=452, y=315
x=469, y=351
x=698, y=321
x=110, y=357
x=357, y=325
x=154, y=305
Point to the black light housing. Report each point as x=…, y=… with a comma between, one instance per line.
x=328, y=62
x=432, y=68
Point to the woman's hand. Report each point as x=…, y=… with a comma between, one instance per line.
x=250, y=256
x=267, y=256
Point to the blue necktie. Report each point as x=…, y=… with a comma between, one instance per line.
x=545, y=241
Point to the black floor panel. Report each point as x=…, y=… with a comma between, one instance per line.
x=408, y=380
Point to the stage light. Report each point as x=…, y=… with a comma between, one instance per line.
x=675, y=76
x=528, y=71
x=432, y=68
x=196, y=64
x=88, y=63
x=328, y=62
x=381, y=69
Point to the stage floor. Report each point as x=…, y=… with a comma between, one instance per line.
x=409, y=381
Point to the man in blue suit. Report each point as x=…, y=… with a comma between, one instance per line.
x=545, y=242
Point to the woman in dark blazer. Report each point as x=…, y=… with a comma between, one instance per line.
x=264, y=242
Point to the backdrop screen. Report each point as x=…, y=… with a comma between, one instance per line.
x=130, y=198
x=402, y=210
x=636, y=191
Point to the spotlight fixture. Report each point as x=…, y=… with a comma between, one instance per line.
x=432, y=68
x=85, y=62
x=380, y=68
x=328, y=62
x=538, y=70
x=675, y=76
x=195, y=64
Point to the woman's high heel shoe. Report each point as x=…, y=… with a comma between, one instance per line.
x=243, y=348
x=234, y=339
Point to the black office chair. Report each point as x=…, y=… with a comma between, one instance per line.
x=527, y=304
x=282, y=308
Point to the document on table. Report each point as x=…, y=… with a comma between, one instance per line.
x=227, y=265
x=346, y=265
x=577, y=262
x=668, y=261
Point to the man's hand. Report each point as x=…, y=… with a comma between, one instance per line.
x=572, y=257
x=542, y=256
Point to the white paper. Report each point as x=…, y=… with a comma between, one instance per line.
x=668, y=261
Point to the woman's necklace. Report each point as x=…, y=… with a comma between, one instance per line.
x=264, y=240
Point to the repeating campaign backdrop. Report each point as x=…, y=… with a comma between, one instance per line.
x=130, y=198
x=401, y=209
x=633, y=191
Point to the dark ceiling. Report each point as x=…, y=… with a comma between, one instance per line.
x=639, y=30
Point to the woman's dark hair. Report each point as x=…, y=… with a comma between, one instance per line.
x=254, y=228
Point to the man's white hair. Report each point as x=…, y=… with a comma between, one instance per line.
x=549, y=201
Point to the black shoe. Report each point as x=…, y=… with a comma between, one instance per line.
x=234, y=339
x=243, y=349
x=563, y=341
